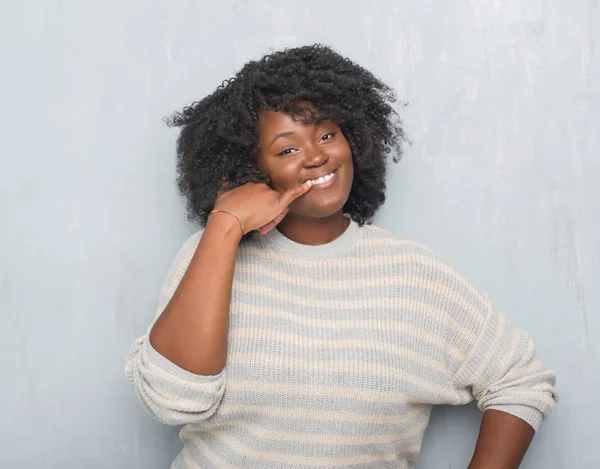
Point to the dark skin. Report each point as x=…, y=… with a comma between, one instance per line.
x=192, y=330
x=503, y=441
x=292, y=152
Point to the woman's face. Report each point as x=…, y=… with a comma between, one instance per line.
x=292, y=152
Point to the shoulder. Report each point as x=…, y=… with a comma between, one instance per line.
x=425, y=268
x=386, y=242
x=182, y=259
x=187, y=250
x=191, y=243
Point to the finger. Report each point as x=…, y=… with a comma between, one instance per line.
x=292, y=194
x=263, y=230
x=273, y=223
x=280, y=217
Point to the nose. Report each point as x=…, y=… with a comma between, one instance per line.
x=315, y=157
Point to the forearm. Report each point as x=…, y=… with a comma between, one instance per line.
x=503, y=441
x=192, y=330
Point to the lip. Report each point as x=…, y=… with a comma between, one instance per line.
x=323, y=174
x=325, y=185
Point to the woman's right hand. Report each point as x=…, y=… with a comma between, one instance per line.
x=257, y=205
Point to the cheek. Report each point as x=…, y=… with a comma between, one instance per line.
x=346, y=156
x=283, y=176
x=344, y=151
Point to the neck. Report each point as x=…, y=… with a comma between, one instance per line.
x=313, y=231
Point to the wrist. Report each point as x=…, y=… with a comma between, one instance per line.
x=226, y=225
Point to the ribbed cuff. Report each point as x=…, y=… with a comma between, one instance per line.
x=171, y=368
x=527, y=413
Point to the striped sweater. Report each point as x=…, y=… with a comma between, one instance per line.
x=336, y=354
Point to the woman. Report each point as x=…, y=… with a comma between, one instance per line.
x=292, y=333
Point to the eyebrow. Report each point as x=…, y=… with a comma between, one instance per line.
x=283, y=134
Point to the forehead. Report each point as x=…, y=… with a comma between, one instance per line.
x=273, y=120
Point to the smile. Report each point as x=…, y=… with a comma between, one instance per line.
x=323, y=182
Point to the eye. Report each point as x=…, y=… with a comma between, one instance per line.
x=327, y=136
x=285, y=152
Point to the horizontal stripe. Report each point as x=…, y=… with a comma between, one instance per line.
x=322, y=438
x=420, y=412
x=369, y=261
x=396, y=350
x=347, y=283
x=204, y=450
x=314, y=390
x=387, y=284
x=386, y=241
x=348, y=306
x=403, y=378
x=197, y=445
x=304, y=461
x=397, y=326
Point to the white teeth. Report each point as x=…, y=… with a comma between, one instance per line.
x=321, y=180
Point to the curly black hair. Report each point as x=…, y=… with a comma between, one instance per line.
x=219, y=135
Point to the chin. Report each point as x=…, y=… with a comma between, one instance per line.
x=320, y=210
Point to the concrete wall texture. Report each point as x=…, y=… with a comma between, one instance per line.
x=501, y=180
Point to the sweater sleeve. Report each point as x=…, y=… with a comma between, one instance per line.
x=167, y=392
x=492, y=360
x=503, y=371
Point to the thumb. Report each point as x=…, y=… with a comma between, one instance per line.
x=292, y=194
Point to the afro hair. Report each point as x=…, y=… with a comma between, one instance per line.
x=219, y=135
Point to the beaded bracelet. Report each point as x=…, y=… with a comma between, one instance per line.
x=229, y=213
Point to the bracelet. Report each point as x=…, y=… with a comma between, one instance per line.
x=229, y=213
